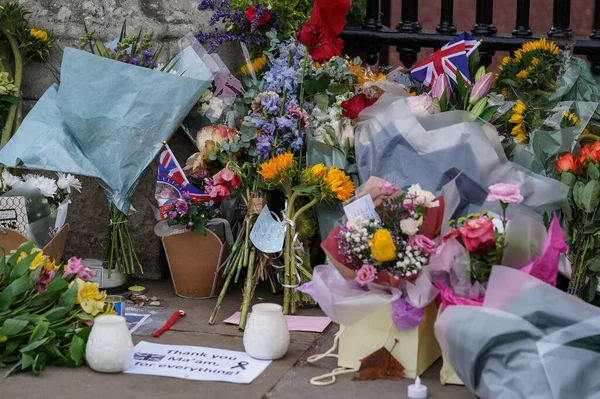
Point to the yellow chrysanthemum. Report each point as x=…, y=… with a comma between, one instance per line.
x=339, y=184
x=89, y=297
x=275, y=166
x=38, y=34
x=258, y=64
x=541, y=44
x=572, y=118
x=319, y=170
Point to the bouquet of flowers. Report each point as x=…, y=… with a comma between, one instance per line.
x=20, y=42
x=45, y=310
x=99, y=135
x=581, y=173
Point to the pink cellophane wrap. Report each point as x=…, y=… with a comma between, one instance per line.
x=347, y=302
x=529, y=248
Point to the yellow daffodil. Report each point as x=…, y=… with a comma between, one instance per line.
x=258, y=64
x=276, y=166
x=38, y=34
x=339, y=184
x=382, y=245
x=89, y=297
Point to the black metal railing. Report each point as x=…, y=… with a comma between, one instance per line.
x=376, y=35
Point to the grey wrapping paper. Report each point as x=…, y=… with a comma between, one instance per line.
x=395, y=145
x=517, y=344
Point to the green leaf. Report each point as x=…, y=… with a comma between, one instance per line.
x=594, y=265
x=27, y=361
x=337, y=89
x=11, y=99
x=322, y=101
x=22, y=267
x=591, y=287
x=101, y=50
x=57, y=284
x=489, y=112
x=33, y=345
x=577, y=194
x=590, y=197
x=40, y=362
x=76, y=349
x=56, y=313
x=12, y=327
x=460, y=85
x=568, y=178
x=3, y=338
x=593, y=171
x=11, y=346
x=67, y=298
x=39, y=331
x=13, y=369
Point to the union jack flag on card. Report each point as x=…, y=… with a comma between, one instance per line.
x=171, y=183
x=451, y=58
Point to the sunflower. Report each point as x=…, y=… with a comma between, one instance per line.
x=525, y=72
x=339, y=184
x=314, y=174
x=542, y=45
x=319, y=170
x=257, y=64
x=276, y=168
x=38, y=34
x=518, y=118
x=571, y=118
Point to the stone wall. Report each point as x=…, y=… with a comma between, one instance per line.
x=64, y=20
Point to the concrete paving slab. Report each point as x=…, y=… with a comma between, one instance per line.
x=64, y=383
x=295, y=385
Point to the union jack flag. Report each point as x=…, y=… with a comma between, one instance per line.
x=171, y=183
x=449, y=59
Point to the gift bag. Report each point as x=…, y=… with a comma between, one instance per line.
x=416, y=350
x=447, y=373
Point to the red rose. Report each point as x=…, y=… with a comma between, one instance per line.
x=330, y=15
x=478, y=235
x=567, y=163
x=309, y=35
x=352, y=107
x=251, y=14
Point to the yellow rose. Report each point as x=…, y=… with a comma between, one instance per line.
x=382, y=246
x=89, y=297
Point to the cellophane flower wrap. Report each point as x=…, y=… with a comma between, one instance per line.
x=378, y=261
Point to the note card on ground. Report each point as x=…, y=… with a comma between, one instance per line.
x=195, y=363
x=294, y=323
x=363, y=208
x=267, y=234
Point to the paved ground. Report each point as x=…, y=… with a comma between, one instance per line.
x=287, y=378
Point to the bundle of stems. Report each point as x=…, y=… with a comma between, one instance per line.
x=120, y=252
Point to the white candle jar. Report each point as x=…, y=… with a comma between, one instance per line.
x=266, y=336
x=109, y=348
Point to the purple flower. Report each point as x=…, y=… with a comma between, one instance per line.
x=263, y=145
x=182, y=207
x=190, y=225
x=266, y=127
x=172, y=215
x=286, y=123
x=271, y=104
x=148, y=54
x=135, y=60
x=186, y=195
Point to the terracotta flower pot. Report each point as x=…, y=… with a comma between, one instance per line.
x=194, y=260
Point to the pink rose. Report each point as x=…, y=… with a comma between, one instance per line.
x=76, y=267
x=423, y=243
x=507, y=193
x=387, y=188
x=478, y=235
x=365, y=275
x=227, y=178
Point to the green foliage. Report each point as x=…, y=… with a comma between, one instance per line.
x=38, y=327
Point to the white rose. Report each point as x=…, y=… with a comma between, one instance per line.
x=422, y=106
x=409, y=226
x=416, y=195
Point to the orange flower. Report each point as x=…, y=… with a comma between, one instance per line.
x=567, y=163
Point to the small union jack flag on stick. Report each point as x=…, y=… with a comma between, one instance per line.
x=451, y=58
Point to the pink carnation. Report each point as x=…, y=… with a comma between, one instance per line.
x=365, y=275
x=507, y=193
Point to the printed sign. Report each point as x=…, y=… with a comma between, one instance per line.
x=195, y=363
x=13, y=215
x=363, y=208
x=267, y=234
x=98, y=276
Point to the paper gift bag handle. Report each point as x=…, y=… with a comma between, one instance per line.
x=332, y=376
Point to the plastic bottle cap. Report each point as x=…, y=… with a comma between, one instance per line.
x=417, y=390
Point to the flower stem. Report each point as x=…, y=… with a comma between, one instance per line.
x=248, y=289
x=10, y=125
